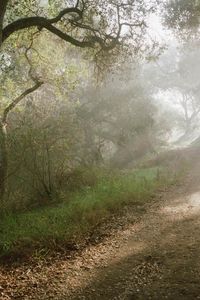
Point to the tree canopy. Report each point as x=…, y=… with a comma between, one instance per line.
x=182, y=16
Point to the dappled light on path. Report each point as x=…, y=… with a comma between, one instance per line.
x=157, y=258
x=183, y=207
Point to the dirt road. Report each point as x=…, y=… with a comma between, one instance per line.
x=157, y=257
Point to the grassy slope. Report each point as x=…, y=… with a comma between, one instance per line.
x=73, y=219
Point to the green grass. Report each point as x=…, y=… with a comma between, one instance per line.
x=73, y=219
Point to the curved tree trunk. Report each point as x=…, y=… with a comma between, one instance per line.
x=3, y=5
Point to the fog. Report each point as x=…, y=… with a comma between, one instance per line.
x=95, y=109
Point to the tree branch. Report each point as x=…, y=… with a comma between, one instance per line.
x=65, y=12
x=35, y=79
x=3, y=5
x=40, y=22
x=17, y=100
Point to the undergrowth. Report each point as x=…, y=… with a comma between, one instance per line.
x=76, y=216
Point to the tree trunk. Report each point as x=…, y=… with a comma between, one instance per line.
x=3, y=5
x=3, y=160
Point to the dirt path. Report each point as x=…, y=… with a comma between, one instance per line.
x=155, y=258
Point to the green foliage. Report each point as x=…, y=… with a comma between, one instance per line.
x=76, y=216
x=183, y=17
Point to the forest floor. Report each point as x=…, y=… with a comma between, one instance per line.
x=151, y=255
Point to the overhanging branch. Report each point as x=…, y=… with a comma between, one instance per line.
x=105, y=41
x=40, y=22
